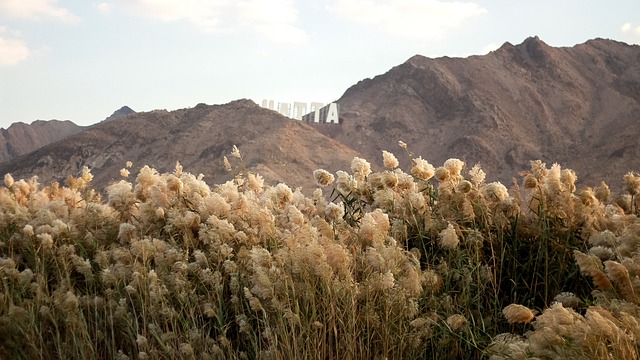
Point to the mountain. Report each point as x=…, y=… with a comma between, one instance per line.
x=578, y=106
x=279, y=149
x=120, y=113
x=21, y=138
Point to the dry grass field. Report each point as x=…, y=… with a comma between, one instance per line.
x=428, y=262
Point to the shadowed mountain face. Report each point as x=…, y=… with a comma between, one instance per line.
x=577, y=106
x=279, y=149
x=20, y=138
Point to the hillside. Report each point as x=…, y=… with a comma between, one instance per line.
x=577, y=106
x=20, y=138
x=272, y=145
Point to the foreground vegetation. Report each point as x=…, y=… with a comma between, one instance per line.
x=434, y=263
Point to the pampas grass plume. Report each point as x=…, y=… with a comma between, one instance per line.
x=516, y=313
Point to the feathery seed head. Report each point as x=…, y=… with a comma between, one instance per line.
x=334, y=212
x=8, y=180
x=516, y=313
x=346, y=183
x=603, y=238
x=86, y=175
x=159, y=213
x=603, y=253
x=360, y=168
x=283, y=194
x=456, y=322
x=569, y=300
x=433, y=282
x=390, y=179
x=495, y=192
x=616, y=271
x=422, y=169
x=602, y=192
x=539, y=169
x=28, y=230
x=454, y=166
x=477, y=175
x=256, y=182
x=174, y=183
x=530, y=182
x=46, y=241
x=142, y=341
x=568, y=178
x=235, y=152
x=632, y=183
x=389, y=160
x=323, y=177
x=69, y=301
x=227, y=164
x=449, y=238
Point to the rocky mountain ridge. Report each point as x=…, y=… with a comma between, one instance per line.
x=578, y=106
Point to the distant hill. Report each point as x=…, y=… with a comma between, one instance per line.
x=280, y=149
x=578, y=106
x=20, y=138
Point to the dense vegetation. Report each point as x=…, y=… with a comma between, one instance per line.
x=434, y=263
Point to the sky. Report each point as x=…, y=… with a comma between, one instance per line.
x=81, y=60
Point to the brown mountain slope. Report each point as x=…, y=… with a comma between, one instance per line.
x=21, y=138
x=577, y=106
x=276, y=147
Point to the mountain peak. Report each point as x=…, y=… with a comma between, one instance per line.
x=120, y=113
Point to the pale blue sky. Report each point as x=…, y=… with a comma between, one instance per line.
x=82, y=59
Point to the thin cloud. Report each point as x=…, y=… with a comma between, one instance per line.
x=36, y=10
x=13, y=50
x=630, y=33
x=625, y=28
x=413, y=19
x=104, y=8
x=205, y=15
x=274, y=20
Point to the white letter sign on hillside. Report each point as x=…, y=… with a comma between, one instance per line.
x=332, y=114
x=318, y=112
x=325, y=115
x=299, y=109
x=284, y=109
